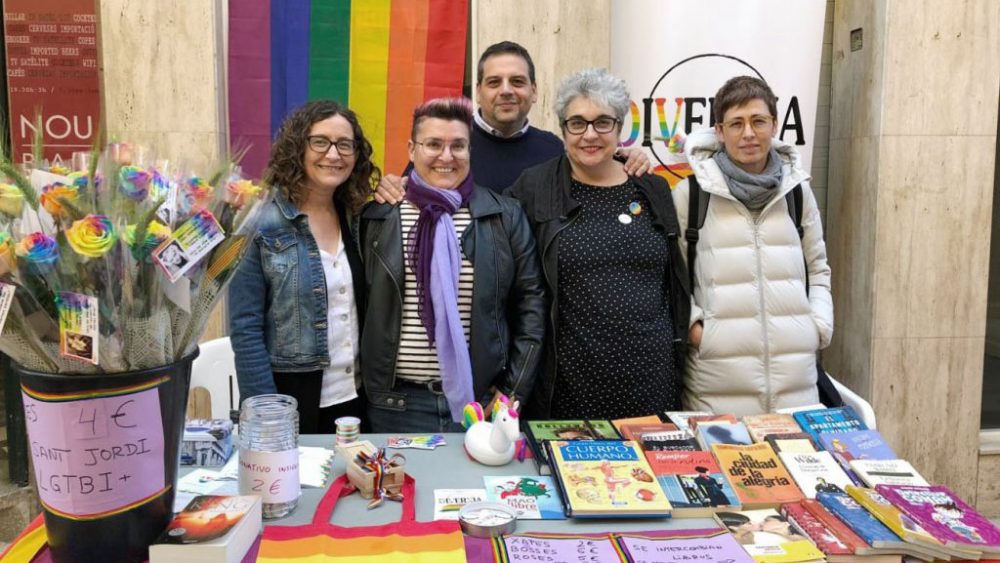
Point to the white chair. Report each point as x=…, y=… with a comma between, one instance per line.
x=861, y=406
x=215, y=371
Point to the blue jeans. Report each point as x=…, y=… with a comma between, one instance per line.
x=426, y=412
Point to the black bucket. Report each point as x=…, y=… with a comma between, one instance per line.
x=95, y=439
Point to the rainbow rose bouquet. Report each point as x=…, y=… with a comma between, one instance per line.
x=118, y=267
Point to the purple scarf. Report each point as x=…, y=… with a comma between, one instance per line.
x=433, y=255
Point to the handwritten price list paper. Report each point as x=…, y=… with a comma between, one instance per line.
x=95, y=456
x=521, y=549
x=52, y=66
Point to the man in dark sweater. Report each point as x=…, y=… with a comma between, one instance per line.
x=504, y=144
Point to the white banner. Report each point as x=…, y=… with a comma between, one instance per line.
x=675, y=55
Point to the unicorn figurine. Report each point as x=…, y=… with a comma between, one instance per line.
x=491, y=443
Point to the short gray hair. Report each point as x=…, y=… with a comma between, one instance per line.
x=597, y=84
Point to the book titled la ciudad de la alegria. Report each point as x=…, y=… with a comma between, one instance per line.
x=606, y=478
x=757, y=475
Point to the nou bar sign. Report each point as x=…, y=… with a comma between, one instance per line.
x=51, y=64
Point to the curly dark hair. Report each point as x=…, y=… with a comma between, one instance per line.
x=286, y=169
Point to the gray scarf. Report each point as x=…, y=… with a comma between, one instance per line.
x=752, y=190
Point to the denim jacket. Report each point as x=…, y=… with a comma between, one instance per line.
x=277, y=300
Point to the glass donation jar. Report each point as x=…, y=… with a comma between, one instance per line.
x=269, y=452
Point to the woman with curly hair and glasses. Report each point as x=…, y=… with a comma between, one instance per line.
x=296, y=304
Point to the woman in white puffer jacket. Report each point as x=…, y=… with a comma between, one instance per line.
x=755, y=329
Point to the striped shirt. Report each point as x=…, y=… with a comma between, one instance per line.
x=417, y=362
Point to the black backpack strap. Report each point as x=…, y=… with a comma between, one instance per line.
x=793, y=201
x=697, y=210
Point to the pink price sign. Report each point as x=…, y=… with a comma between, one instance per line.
x=94, y=456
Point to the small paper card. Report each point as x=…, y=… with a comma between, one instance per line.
x=79, y=330
x=188, y=244
x=447, y=502
x=165, y=188
x=6, y=298
x=425, y=442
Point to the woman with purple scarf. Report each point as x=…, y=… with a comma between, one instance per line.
x=456, y=297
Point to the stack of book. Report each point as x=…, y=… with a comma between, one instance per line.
x=815, y=475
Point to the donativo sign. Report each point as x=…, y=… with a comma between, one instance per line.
x=675, y=54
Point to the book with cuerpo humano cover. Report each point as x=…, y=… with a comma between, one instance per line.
x=606, y=478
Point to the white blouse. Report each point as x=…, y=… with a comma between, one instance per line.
x=341, y=330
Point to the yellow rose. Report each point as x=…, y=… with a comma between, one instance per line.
x=8, y=258
x=92, y=236
x=11, y=200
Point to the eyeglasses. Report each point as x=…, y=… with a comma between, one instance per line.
x=759, y=124
x=435, y=147
x=578, y=125
x=321, y=144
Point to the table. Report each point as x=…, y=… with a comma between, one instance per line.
x=448, y=467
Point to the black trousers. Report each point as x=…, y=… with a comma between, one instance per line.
x=305, y=387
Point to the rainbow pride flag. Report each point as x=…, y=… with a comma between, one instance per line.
x=380, y=57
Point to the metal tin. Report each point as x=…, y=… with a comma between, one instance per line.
x=487, y=519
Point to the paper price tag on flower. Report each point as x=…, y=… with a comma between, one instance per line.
x=79, y=335
x=191, y=242
x=6, y=298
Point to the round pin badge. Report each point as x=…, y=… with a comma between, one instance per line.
x=635, y=208
x=624, y=219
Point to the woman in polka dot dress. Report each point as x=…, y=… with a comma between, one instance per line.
x=617, y=284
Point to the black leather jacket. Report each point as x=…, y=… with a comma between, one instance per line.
x=544, y=192
x=508, y=299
